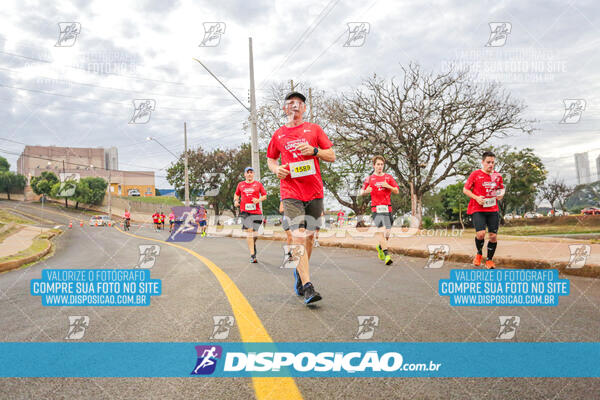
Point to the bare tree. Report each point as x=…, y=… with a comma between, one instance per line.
x=424, y=125
x=556, y=191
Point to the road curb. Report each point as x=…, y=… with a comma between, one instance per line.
x=590, y=271
x=13, y=264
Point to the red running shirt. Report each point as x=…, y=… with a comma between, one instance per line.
x=283, y=143
x=486, y=185
x=380, y=196
x=247, y=192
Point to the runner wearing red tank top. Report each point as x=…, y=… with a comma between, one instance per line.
x=300, y=145
x=485, y=187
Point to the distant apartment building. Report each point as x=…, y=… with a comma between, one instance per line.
x=86, y=162
x=582, y=165
x=598, y=168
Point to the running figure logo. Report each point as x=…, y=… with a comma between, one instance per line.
x=366, y=326
x=68, y=32
x=77, y=326
x=223, y=324
x=579, y=254
x=148, y=254
x=291, y=255
x=499, y=32
x=574, y=108
x=357, y=34
x=142, y=110
x=207, y=359
x=437, y=255
x=185, y=226
x=508, y=327
x=212, y=34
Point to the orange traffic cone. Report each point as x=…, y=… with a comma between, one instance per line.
x=70, y=224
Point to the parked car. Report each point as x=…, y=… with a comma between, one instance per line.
x=99, y=220
x=530, y=215
x=508, y=217
x=591, y=211
x=133, y=192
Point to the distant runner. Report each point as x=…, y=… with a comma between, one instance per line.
x=156, y=221
x=201, y=220
x=248, y=195
x=381, y=186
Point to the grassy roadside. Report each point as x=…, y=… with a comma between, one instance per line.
x=547, y=230
x=40, y=242
x=8, y=217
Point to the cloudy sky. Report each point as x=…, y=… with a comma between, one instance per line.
x=80, y=93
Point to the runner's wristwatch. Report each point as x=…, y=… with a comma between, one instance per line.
x=315, y=151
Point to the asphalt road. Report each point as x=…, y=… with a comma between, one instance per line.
x=352, y=282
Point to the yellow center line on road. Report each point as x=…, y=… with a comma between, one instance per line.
x=250, y=327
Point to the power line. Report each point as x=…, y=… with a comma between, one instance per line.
x=107, y=101
x=307, y=32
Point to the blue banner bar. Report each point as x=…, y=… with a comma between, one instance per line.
x=322, y=359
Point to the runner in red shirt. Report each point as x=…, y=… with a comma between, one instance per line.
x=156, y=220
x=485, y=187
x=301, y=145
x=381, y=186
x=201, y=220
x=248, y=196
x=341, y=215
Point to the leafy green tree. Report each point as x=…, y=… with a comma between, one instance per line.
x=4, y=165
x=90, y=190
x=454, y=202
x=42, y=185
x=11, y=182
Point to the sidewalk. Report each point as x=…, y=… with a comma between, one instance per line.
x=19, y=241
x=513, y=251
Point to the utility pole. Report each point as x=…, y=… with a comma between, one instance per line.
x=310, y=104
x=185, y=166
x=109, y=194
x=292, y=84
x=253, y=117
x=64, y=180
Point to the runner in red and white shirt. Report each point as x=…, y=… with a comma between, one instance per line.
x=248, y=196
x=300, y=145
x=341, y=214
x=485, y=187
x=381, y=186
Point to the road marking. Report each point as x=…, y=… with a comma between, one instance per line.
x=250, y=327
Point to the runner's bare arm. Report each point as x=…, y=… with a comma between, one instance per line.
x=478, y=199
x=236, y=200
x=365, y=191
x=279, y=170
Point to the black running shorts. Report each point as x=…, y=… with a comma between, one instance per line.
x=489, y=219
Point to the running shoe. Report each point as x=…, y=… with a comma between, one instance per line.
x=316, y=244
x=253, y=259
x=388, y=260
x=477, y=260
x=299, y=290
x=380, y=253
x=489, y=264
x=310, y=294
